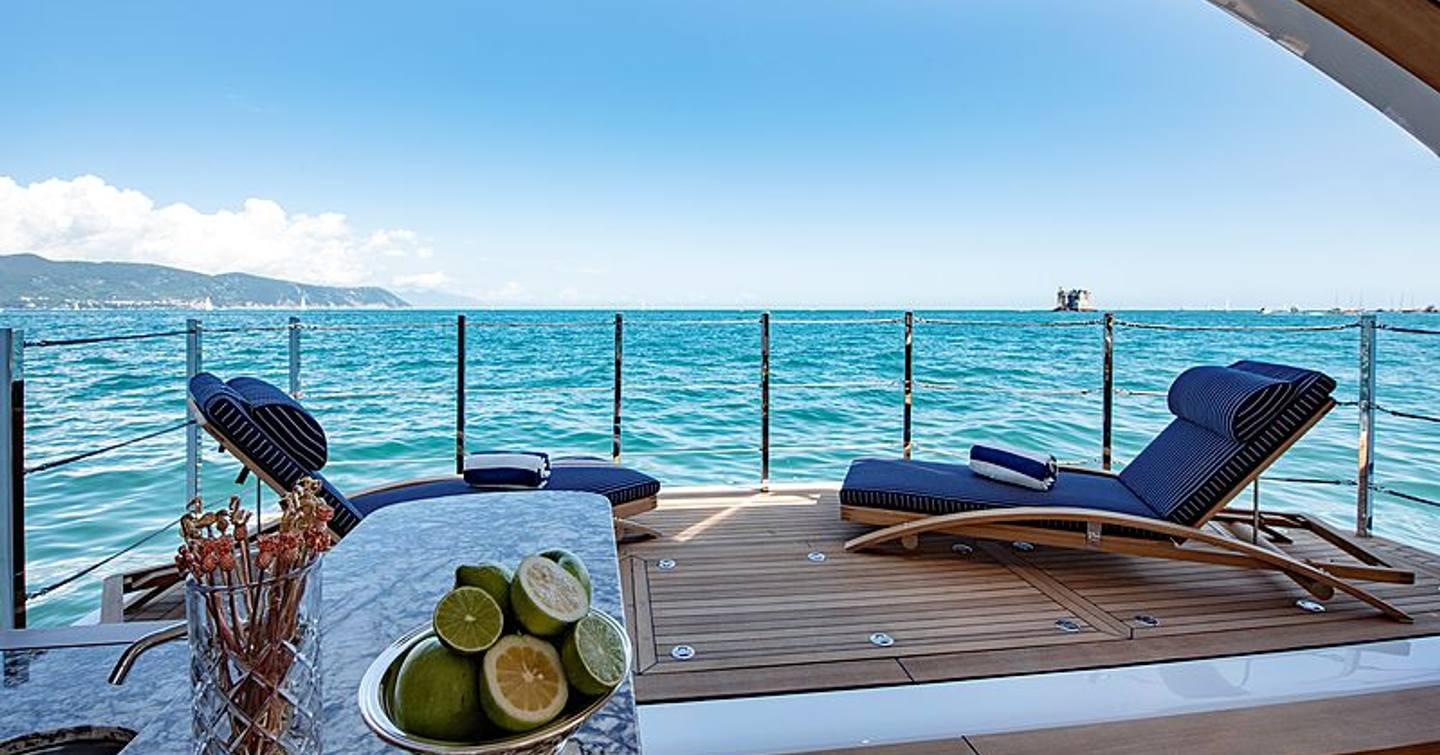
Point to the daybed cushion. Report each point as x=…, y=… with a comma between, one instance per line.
x=286, y=420
x=932, y=487
x=1232, y=403
x=1186, y=470
x=1179, y=477
x=578, y=474
x=228, y=414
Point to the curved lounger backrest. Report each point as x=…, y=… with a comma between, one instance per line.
x=1230, y=422
x=239, y=420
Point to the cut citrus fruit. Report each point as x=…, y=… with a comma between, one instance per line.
x=468, y=621
x=522, y=684
x=545, y=597
x=571, y=563
x=593, y=655
x=491, y=577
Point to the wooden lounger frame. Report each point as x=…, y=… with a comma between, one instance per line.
x=1231, y=542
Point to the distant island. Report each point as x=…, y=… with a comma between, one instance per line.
x=29, y=281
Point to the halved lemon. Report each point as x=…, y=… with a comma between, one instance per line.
x=522, y=684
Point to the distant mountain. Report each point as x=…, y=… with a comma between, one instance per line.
x=29, y=281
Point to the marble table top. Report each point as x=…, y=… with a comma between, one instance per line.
x=382, y=580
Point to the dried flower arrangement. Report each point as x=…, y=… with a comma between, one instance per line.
x=249, y=589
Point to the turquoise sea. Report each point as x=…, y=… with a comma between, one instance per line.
x=383, y=384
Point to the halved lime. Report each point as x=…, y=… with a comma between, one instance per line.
x=467, y=620
x=571, y=563
x=593, y=655
x=489, y=576
x=522, y=684
x=546, y=598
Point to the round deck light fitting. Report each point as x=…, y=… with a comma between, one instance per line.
x=665, y=564
x=1147, y=620
x=816, y=556
x=881, y=640
x=682, y=652
x=1069, y=626
x=1310, y=606
x=1022, y=546
x=961, y=549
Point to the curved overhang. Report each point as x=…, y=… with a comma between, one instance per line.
x=1385, y=51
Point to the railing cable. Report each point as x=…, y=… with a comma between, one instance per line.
x=46, y=466
x=1008, y=323
x=45, y=343
x=1230, y=328
x=1406, y=415
x=1402, y=329
x=53, y=586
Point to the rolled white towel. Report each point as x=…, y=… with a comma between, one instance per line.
x=1023, y=468
x=507, y=469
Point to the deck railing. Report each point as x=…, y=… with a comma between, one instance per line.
x=13, y=471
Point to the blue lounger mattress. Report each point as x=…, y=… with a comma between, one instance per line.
x=576, y=474
x=931, y=487
x=1228, y=422
x=284, y=442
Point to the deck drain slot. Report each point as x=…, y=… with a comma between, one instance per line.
x=881, y=640
x=961, y=549
x=816, y=556
x=1067, y=625
x=1147, y=620
x=1022, y=546
x=665, y=564
x=682, y=652
x=1310, y=606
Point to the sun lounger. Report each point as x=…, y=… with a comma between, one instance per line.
x=1231, y=423
x=279, y=441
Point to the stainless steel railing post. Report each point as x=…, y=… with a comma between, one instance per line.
x=193, y=365
x=615, y=414
x=295, y=357
x=12, y=477
x=909, y=383
x=459, y=394
x=764, y=401
x=1107, y=400
x=1365, y=475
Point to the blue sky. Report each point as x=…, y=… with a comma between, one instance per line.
x=869, y=153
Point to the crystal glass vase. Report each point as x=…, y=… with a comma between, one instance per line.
x=255, y=664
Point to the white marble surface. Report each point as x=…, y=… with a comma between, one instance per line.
x=381, y=581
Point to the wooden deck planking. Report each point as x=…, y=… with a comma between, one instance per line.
x=765, y=619
x=762, y=618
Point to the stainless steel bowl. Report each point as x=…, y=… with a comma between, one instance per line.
x=374, y=700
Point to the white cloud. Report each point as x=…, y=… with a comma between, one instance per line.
x=87, y=219
x=423, y=281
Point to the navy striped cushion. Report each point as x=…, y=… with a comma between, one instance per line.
x=1188, y=469
x=286, y=421
x=1235, y=404
x=578, y=474
x=228, y=414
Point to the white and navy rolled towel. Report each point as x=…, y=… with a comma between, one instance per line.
x=507, y=469
x=1023, y=468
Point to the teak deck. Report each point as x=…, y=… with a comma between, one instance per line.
x=762, y=617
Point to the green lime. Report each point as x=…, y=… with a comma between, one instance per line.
x=571, y=563
x=522, y=684
x=468, y=621
x=545, y=598
x=593, y=655
x=434, y=695
x=491, y=577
